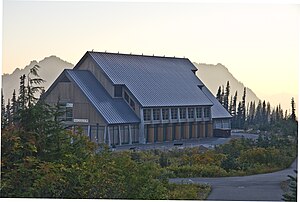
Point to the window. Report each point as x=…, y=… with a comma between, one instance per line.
x=191, y=113
x=147, y=114
x=174, y=113
x=67, y=111
x=132, y=104
x=126, y=97
x=199, y=112
x=118, y=91
x=156, y=114
x=182, y=113
x=165, y=114
x=206, y=112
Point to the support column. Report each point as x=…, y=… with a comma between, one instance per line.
x=202, y=129
x=178, y=131
x=120, y=136
x=108, y=134
x=130, y=134
x=209, y=129
x=160, y=133
x=169, y=132
x=194, y=130
x=150, y=133
x=141, y=128
x=104, y=134
x=89, y=132
x=186, y=130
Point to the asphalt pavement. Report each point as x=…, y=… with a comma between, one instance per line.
x=261, y=187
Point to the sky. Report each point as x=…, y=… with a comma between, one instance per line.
x=258, y=43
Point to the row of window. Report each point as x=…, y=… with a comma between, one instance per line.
x=164, y=113
x=129, y=100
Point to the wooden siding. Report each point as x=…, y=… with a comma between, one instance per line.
x=89, y=64
x=82, y=109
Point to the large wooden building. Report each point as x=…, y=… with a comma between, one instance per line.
x=126, y=99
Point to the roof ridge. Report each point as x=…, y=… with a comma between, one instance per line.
x=142, y=55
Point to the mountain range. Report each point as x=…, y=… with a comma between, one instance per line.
x=212, y=76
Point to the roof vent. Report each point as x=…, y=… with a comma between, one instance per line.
x=200, y=86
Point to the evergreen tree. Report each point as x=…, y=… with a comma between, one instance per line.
x=239, y=119
x=243, y=108
x=219, y=95
x=258, y=114
x=264, y=112
x=22, y=93
x=14, y=106
x=222, y=96
x=3, y=116
x=268, y=112
x=226, y=96
x=293, y=115
x=8, y=113
x=292, y=194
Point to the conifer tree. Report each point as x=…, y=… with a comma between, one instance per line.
x=219, y=95
x=226, y=96
x=3, y=116
x=293, y=115
x=14, y=106
x=8, y=113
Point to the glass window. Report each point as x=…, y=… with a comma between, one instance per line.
x=174, y=113
x=206, y=112
x=126, y=97
x=118, y=91
x=132, y=104
x=199, y=112
x=191, y=113
x=156, y=114
x=165, y=114
x=147, y=114
x=182, y=113
x=66, y=110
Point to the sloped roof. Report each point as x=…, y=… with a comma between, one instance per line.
x=217, y=110
x=113, y=110
x=154, y=81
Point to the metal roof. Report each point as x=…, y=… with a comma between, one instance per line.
x=154, y=81
x=217, y=110
x=113, y=110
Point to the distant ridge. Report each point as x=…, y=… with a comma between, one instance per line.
x=215, y=75
x=51, y=67
x=212, y=75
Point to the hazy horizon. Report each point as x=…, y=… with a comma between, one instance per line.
x=258, y=43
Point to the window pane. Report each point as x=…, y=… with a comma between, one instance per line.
x=182, y=113
x=118, y=91
x=147, y=114
x=126, y=96
x=165, y=113
x=191, y=113
x=174, y=113
x=156, y=114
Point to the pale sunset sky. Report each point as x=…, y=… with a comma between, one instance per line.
x=258, y=43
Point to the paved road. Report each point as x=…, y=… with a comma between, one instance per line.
x=263, y=187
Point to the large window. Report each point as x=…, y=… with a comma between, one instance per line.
x=207, y=112
x=199, y=112
x=118, y=91
x=147, y=114
x=182, y=113
x=67, y=111
x=132, y=104
x=191, y=113
x=174, y=113
x=156, y=114
x=165, y=114
x=126, y=97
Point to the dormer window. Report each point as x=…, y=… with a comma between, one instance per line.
x=118, y=91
